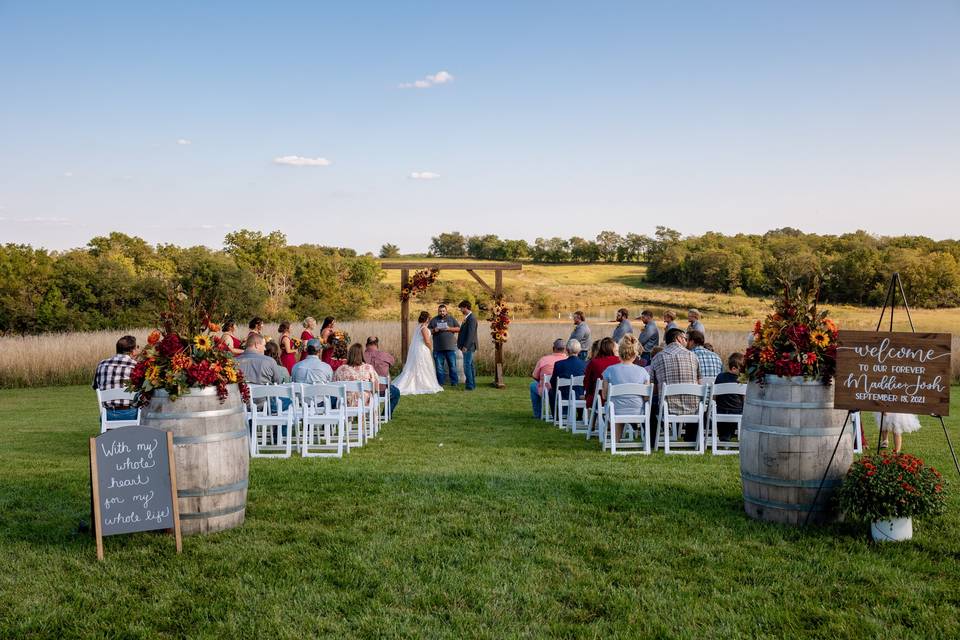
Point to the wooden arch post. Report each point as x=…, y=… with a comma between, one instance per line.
x=470, y=267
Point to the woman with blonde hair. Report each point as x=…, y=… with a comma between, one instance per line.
x=309, y=324
x=626, y=373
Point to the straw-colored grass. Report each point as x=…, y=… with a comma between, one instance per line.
x=70, y=358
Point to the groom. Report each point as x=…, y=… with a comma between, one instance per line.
x=467, y=343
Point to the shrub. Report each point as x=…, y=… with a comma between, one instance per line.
x=891, y=486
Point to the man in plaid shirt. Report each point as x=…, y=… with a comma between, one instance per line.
x=113, y=372
x=710, y=363
x=676, y=365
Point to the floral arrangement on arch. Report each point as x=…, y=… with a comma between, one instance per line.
x=795, y=340
x=891, y=486
x=499, y=322
x=420, y=281
x=176, y=362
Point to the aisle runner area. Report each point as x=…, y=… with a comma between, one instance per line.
x=466, y=518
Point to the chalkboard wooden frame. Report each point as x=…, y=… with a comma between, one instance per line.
x=95, y=494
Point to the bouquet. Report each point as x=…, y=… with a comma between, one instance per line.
x=499, y=322
x=176, y=362
x=340, y=341
x=795, y=340
x=419, y=281
x=891, y=486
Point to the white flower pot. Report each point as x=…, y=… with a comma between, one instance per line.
x=893, y=530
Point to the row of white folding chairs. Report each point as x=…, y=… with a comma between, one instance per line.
x=315, y=417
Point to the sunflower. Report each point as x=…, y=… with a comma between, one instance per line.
x=820, y=338
x=201, y=342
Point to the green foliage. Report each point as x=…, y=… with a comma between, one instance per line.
x=888, y=486
x=389, y=251
x=449, y=245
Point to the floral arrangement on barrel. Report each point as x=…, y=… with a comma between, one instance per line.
x=499, y=322
x=420, y=281
x=795, y=340
x=185, y=354
x=889, y=487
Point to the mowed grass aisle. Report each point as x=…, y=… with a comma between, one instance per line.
x=467, y=518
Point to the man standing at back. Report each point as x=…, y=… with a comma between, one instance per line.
x=649, y=337
x=623, y=327
x=581, y=333
x=444, y=328
x=467, y=343
x=693, y=316
x=113, y=373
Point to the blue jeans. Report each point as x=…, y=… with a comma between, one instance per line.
x=469, y=374
x=535, y=400
x=122, y=414
x=446, y=362
x=394, y=398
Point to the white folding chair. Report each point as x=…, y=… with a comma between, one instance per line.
x=271, y=424
x=714, y=418
x=383, y=399
x=635, y=436
x=111, y=395
x=857, y=432
x=370, y=400
x=545, y=414
x=595, y=416
x=671, y=424
x=355, y=414
x=323, y=425
x=561, y=403
x=577, y=425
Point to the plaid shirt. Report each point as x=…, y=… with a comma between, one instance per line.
x=676, y=365
x=710, y=364
x=111, y=374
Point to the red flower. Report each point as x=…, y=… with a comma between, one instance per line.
x=170, y=345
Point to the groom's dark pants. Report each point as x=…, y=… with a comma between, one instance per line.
x=446, y=362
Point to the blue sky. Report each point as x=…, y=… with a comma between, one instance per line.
x=559, y=119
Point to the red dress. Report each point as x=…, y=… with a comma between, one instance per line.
x=287, y=359
x=594, y=372
x=305, y=337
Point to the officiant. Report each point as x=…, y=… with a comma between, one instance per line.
x=444, y=329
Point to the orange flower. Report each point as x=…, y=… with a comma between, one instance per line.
x=154, y=337
x=213, y=326
x=181, y=361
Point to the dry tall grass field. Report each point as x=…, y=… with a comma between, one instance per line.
x=70, y=358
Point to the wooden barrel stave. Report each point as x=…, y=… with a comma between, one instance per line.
x=211, y=449
x=788, y=432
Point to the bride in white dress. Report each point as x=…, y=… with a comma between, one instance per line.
x=419, y=374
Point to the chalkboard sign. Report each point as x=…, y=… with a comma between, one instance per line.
x=893, y=372
x=134, y=483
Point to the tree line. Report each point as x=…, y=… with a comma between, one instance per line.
x=121, y=281
x=851, y=268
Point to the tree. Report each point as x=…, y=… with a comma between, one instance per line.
x=389, y=251
x=583, y=250
x=608, y=245
x=270, y=260
x=448, y=245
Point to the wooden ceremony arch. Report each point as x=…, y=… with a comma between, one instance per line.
x=470, y=267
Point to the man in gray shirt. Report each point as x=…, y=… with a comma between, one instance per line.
x=257, y=368
x=444, y=328
x=581, y=333
x=693, y=316
x=623, y=317
x=649, y=337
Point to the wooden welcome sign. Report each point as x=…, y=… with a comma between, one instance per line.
x=893, y=372
x=133, y=477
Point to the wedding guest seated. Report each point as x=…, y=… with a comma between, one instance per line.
x=569, y=367
x=626, y=372
x=693, y=316
x=272, y=351
x=113, y=373
x=594, y=350
x=649, y=337
x=312, y=370
x=606, y=356
x=257, y=367
x=710, y=364
x=669, y=322
x=581, y=333
x=381, y=361
x=231, y=342
x=729, y=403
x=623, y=326
x=676, y=365
x=354, y=370
x=544, y=368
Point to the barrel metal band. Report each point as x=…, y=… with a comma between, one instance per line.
x=210, y=413
x=210, y=437
x=779, y=482
x=779, y=404
x=193, y=393
x=212, y=491
x=795, y=381
x=216, y=513
x=801, y=432
x=771, y=504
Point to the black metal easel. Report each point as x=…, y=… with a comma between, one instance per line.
x=896, y=285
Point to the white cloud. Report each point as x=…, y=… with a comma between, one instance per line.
x=300, y=161
x=424, y=175
x=440, y=77
x=184, y=141
x=68, y=174
x=42, y=220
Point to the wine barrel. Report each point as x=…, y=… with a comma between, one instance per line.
x=788, y=432
x=212, y=453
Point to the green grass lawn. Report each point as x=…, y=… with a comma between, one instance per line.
x=467, y=518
